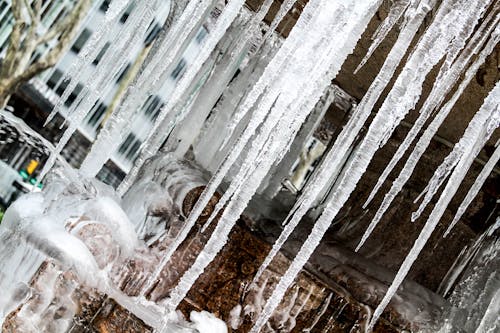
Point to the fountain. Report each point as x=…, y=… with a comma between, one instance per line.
x=176, y=247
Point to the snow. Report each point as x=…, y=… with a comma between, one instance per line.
x=206, y=322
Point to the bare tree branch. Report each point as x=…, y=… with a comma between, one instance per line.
x=16, y=68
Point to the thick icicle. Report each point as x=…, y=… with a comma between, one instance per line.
x=396, y=12
x=242, y=112
x=448, y=75
x=164, y=124
x=89, y=52
x=147, y=82
x=474, y=190
x=401, y=99
x=271, y=73
x=349, y=133
x=217, y=178
x=476, y=135
x=132, y=34
x=424, y=140
x=276, y=141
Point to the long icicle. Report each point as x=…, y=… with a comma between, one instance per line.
x=164, y=124
x=349, y=133
x=397, y=10
x=148, y=80
x=361, y=15
x=273, y=68
x=476, y=135
x=426, y=138
x=447, y=77
x=77, y=117
x=89, y=51
x=402, y=98
x=474, y=190
x=241, y=113
x=180, y=107
x=236, y=206
x=270, y=74
x=153, y=141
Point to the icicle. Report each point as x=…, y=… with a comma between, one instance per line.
x=251, y=30
x=276, y=141
x=490, y=321
x=451, y=160
x=399, y=101
x=476, y=135
x=84, y=104
x=285, y=7
x=474, y=190
x=425, y=139
x=448, y=75
x=89, y=52
x=242, y=112
x=237, y=182
x=235, y=185
x=349, y=133
x=113, y=61
x=271, y=72
x=163, y=124
x=397, y=10
x=149, y=79
x=217, y=178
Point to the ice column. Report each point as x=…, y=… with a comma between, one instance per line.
x=475, y=136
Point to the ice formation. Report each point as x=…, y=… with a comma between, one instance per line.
x=260, y=113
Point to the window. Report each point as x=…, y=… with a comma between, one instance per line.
x=202, y=34
x=152, y=34
x=151, y=106
x=123, y=73
x=80, y=41
x=101, y=54
x=74, y=94
x=98, y=114
x=179, y=69
x=54, y=79
x=133, y=151
x=46, y=9
x=215, y=13
x=104, y=5
x=62, y=87
x=127, y=12
x=60, y=15
x=130, y=147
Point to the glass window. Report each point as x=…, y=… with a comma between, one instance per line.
x=54, y=78
x=133, y=151
x=127, y=12
x=104, y=5
x=97, y=115
x=80, y=41
x=123, y=73
x=179, y=69
x=151, y=105
x=62, y=87
x=126, y=143
x=101, y=53
x=202, y=34
x=152, y=34
x=130, y=147
x=74, y=94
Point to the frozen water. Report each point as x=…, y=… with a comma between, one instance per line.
x=477, y=133
x=260, y=112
